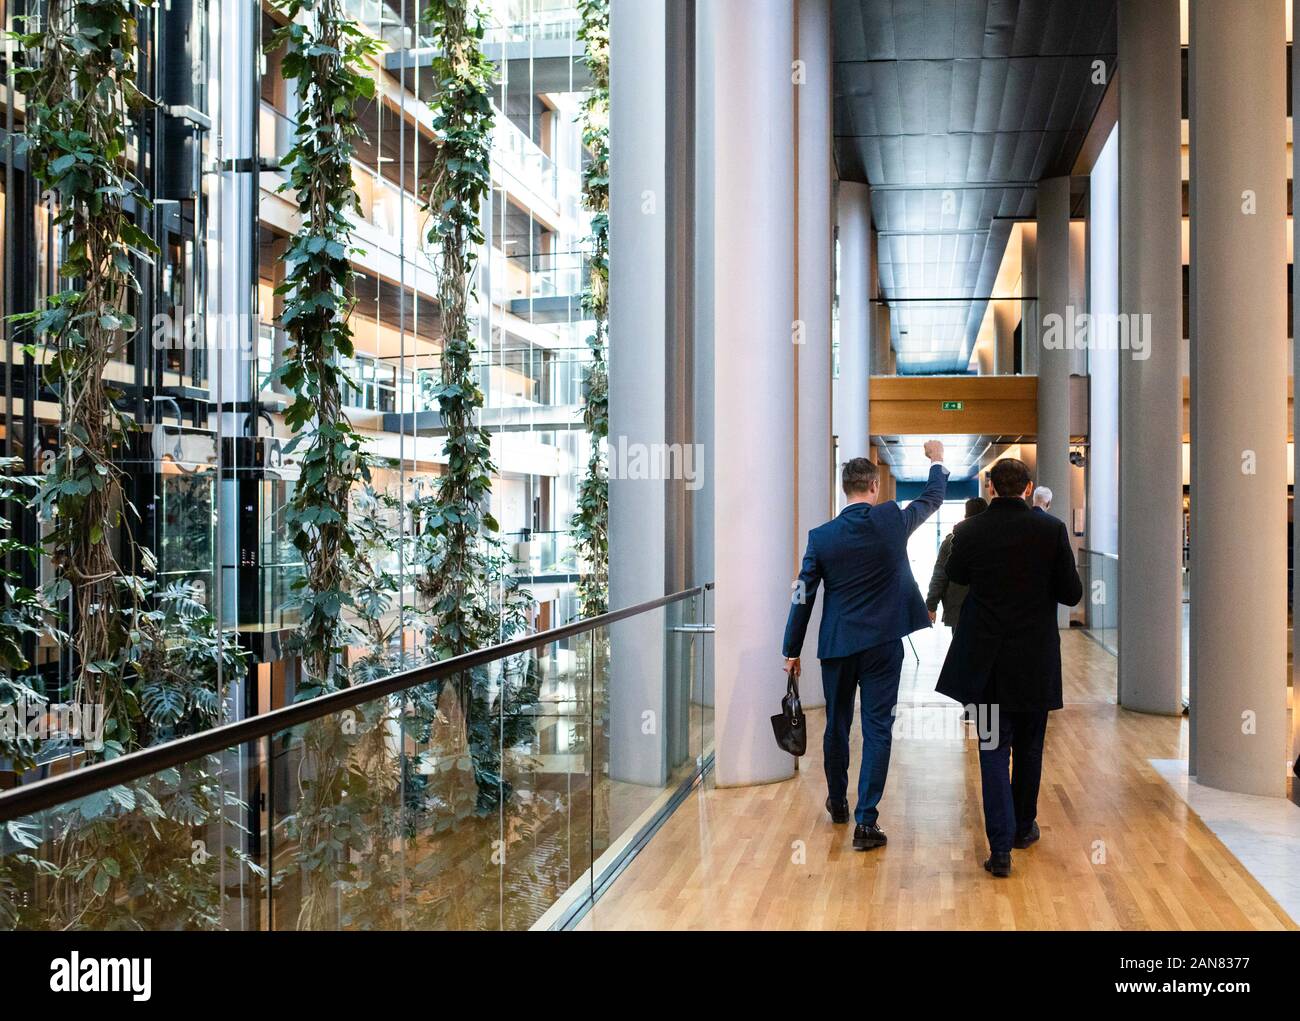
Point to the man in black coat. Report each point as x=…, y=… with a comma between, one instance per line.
x=1005, y=656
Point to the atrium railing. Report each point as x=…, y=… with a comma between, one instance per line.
x=497, y=790
x=1100, y=574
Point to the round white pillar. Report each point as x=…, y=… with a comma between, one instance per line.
x=754, y=437
x=1150, y=376
x=1055, y=337
x=852, y=423
x=637, y=382
x=813, y=266
x=1240, y=368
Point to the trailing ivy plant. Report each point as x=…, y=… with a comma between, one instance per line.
x=374, y=584
x=25, y=615
x=325, y=56
x=79, y=80
x=457, y=184
x=184, y=664
x=591, y=521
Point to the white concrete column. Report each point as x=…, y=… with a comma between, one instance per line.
x=853, y=211
x=1239, y=548
x=703, y=366
x=1054, y=356
x=1150, y=374
x=813, y=268
x=637, y=382
x=753, y=434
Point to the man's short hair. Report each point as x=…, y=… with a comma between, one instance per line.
x=976, y=505
x=1043, y=497
x=1010, y=477
x=858, y=476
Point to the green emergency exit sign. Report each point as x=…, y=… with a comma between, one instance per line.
x=952, y=405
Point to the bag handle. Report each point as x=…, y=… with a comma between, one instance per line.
x=792, y=689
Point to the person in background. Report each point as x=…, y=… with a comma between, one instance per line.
x=872, y=602
x=1042, y=499
x=942, y=589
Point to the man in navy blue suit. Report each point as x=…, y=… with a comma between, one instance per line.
x=872, y=603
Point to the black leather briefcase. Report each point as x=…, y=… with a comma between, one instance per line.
x=790, y=725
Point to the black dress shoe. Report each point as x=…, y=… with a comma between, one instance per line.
x=1020, y=843
x=839, y=812
x=867, y=837
x=999, y=864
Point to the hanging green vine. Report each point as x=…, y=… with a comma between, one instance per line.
x=591, y=521
x=457, y=183
x=79, y=81
x=124, y=857
x=325, y=53
x=26, y=615
x=325, y=56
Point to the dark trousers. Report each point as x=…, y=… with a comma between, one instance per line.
x=1011, y=788
x=874, y=672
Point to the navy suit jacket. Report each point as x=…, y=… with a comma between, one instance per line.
x=871, y=594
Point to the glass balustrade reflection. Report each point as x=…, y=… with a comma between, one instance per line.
x=653, y=723
x=483, y=800
x=1100, y=574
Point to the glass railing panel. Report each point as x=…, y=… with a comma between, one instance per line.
x=553, y=25
x=520, y=155
x=336, y=821
x=645, y=678
x=545, y=790
x=679, y=682
x=519, y=277
x=1100, y=575
x=545, y=553
x=463, y=805
x=178, y=849
x=492, y=798
x=702, y=682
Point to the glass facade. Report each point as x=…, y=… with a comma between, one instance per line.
x=210, y=470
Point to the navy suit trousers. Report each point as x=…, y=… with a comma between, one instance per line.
x=874, y=672
x=1011, y=788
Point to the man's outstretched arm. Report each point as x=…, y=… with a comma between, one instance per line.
x=931, y=498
